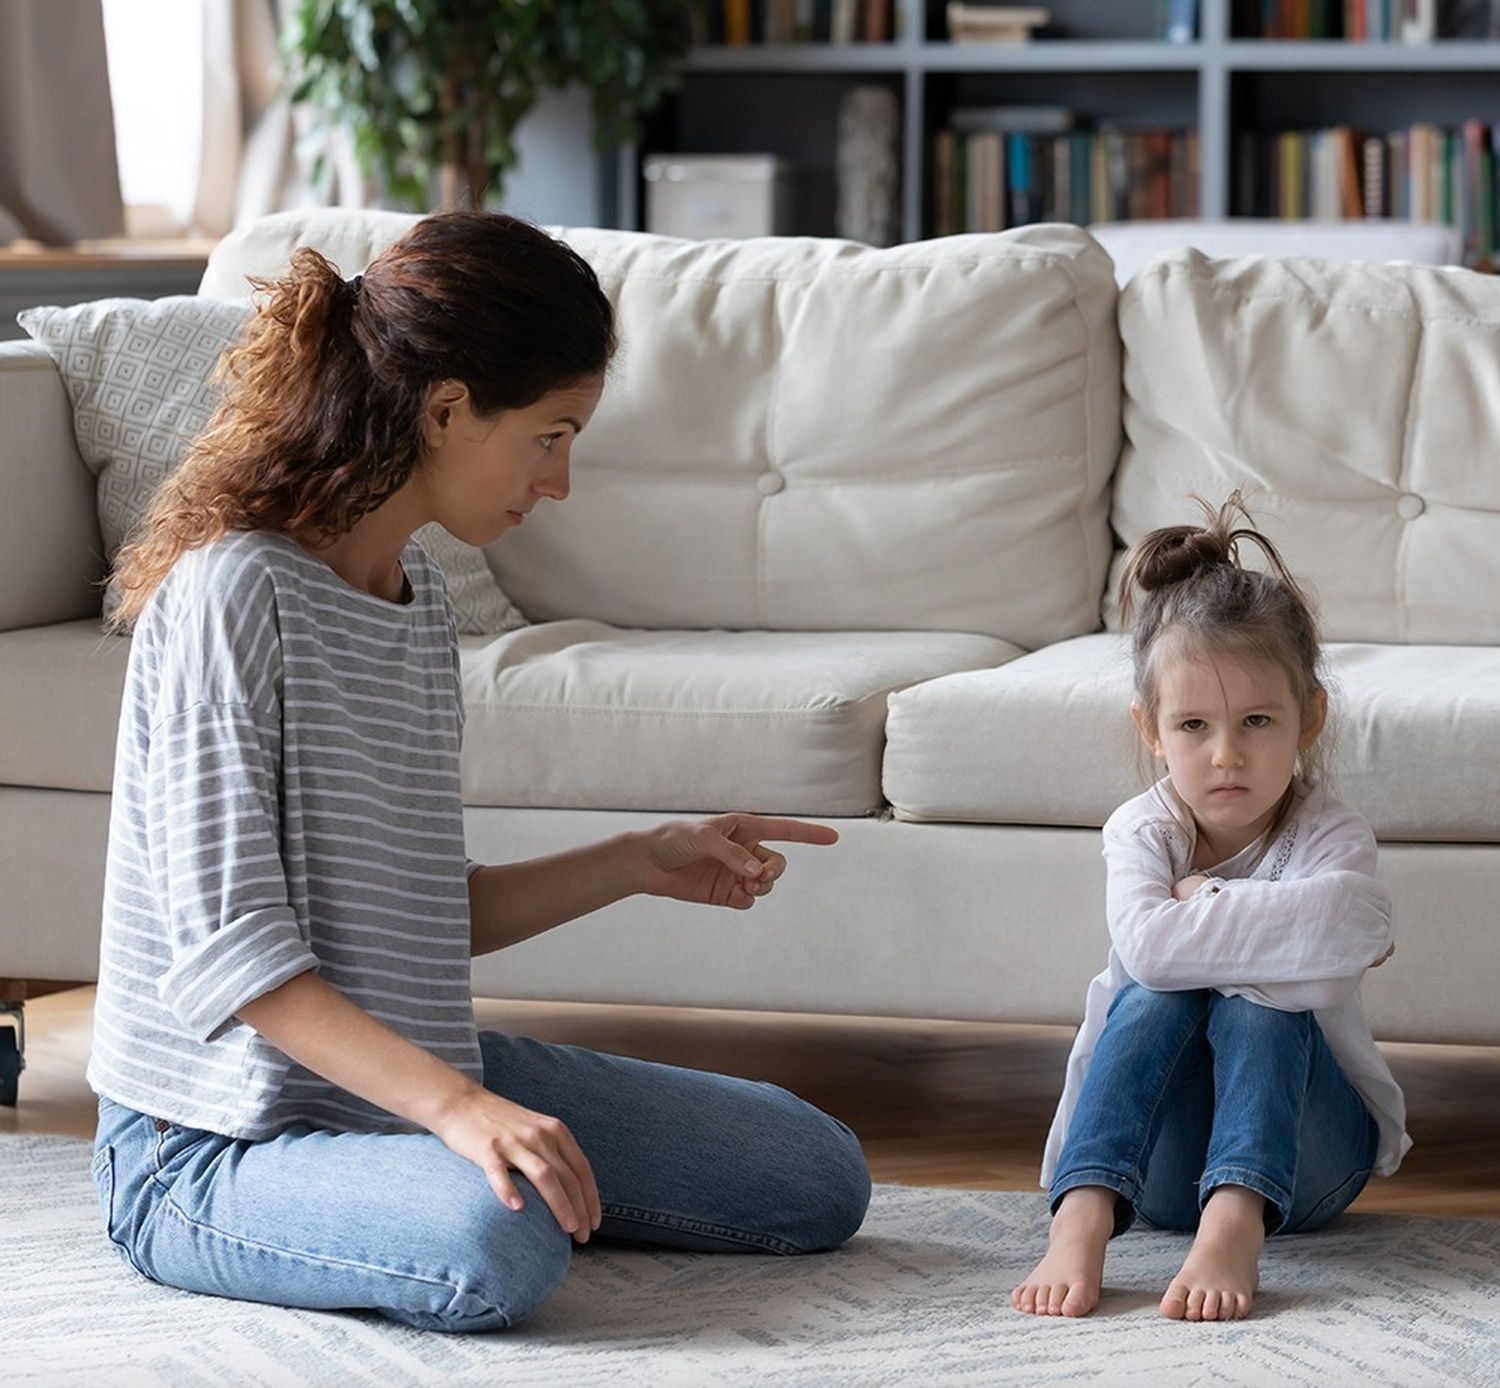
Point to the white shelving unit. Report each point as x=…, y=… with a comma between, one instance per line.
x=1219, y=83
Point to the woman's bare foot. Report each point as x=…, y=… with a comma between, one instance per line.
x=1067, y=1281
x=1218, y=1280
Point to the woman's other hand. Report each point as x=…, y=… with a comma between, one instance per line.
x=498, y=1136
x=721, y=861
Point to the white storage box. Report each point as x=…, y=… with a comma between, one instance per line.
x=702, y=196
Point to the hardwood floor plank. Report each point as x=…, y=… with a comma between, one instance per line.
x=935, y=1103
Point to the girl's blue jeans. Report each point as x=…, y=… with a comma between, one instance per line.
x=1190, y=1091
x=399, y=1224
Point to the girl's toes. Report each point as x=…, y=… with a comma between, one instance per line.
x=1174, y=1303
x=1055, y=1298
x=1195, y=1304
x=1241, y=1306
x=1211, y=1305
x=1076, y=1303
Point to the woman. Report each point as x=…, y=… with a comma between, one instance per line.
x=295, y=1105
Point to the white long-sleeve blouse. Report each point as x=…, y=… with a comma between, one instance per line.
x=1290, y=923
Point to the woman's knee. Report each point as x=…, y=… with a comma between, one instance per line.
x=828, y=1176
x=503, y=1264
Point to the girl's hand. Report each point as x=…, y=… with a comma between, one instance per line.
x=496, y=1135
x=1188, y=886
x=721, y=861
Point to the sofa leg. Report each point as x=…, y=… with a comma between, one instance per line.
x=12, y=1049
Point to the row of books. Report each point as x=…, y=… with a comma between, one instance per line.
x=987, y=180
x=1421, y=174
x=795, y=21
x=1367, y=21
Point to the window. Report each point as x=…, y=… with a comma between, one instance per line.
x=154, y=50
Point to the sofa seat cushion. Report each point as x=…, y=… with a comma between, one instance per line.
x=576, y=714
x=60, y=689
x=1047, y=739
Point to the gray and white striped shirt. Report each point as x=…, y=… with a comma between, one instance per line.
x=286, y=797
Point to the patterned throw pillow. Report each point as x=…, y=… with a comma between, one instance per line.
x=138, y=373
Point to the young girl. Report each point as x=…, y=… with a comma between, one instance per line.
x=295, y=1105
x=1224, y=1079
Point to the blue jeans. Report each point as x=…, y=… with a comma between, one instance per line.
x=1194, y=1090
x=399, y=1224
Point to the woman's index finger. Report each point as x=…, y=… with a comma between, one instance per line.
x=789, y=830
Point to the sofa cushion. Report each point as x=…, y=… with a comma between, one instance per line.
x=140, y=376
x=1047, y=739
x=1355, y=403
x=578, y=714
x=569, y=714
x=804, y=434
x=60, y=690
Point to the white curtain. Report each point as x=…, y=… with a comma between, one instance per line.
x=59, y=182
x=256, y=152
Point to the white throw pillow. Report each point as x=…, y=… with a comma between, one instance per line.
x=139, y=375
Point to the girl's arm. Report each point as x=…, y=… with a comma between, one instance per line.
x=721, y=861
x=1322, y=928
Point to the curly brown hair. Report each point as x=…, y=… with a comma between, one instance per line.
x=321, y=418
x=1194, y=590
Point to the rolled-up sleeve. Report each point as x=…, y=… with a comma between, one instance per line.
x=213, y=837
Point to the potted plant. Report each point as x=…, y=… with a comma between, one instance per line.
x=440, y=86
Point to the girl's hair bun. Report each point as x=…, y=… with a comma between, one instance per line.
x=1177, y=553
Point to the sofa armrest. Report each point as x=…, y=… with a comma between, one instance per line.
x=51, y=555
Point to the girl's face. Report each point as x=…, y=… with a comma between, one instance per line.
x=1229, y=732
x=482, y=475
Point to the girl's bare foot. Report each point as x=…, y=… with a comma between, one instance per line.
x=1218, y=1280
x=1067, y=1281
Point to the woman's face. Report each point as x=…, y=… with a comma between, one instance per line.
x=482, y=475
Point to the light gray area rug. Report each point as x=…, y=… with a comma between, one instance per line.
x=921, y=1295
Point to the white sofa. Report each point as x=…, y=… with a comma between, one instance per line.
x=840, y=545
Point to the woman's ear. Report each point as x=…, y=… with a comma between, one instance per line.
x=1147, y=732
x=1313, y=718
x=442, y=397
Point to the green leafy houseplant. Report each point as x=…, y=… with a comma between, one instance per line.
x=441, y=85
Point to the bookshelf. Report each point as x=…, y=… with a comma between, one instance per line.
x=783, y=98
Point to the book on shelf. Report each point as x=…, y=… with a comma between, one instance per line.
x=1367, y=21
x=986, y=179
x=1177, y=20
x=971, y=23
x=969, y=120
x=1425, y=173
x=743, y=22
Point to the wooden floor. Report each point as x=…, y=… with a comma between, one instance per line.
x=935, y=1103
